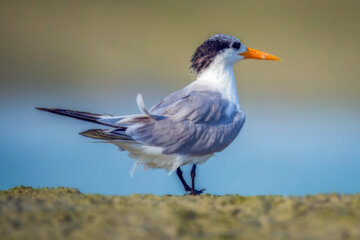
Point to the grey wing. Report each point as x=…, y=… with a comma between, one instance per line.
x=196, y=123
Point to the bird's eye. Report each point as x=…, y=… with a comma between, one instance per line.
x=236, y=45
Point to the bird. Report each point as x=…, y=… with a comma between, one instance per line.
x=189, y=125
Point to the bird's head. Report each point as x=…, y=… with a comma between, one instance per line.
x=224, y=49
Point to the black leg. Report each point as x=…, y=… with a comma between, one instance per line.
x=193, y=174
x=179, y=173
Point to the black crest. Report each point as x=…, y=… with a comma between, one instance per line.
x=206, y=52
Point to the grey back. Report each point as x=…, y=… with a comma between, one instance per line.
x=189, y=122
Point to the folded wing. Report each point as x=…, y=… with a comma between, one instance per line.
x=185, y=122
x=196, y=123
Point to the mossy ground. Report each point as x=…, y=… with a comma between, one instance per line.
x=65, y=213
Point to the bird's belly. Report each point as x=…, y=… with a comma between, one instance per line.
x=152, y=157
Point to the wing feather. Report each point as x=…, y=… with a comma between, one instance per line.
x=195, y=124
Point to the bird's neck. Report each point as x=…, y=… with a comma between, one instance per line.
x=221, y=78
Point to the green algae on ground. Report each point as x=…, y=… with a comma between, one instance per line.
x=65, y=213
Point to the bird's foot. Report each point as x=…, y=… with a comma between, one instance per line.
x=195, y=192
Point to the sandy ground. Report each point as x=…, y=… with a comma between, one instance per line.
x=65, y=213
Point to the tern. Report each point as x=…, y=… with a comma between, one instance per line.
x=189, y=125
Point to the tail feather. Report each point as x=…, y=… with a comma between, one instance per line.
x=85, y=116
x=108, y=134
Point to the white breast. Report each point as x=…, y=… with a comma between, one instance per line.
x=219, y=77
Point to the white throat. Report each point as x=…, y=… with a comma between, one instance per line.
x=220, y=77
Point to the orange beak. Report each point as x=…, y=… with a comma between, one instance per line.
x=256, y=54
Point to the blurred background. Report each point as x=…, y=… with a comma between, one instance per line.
x=302, y=132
